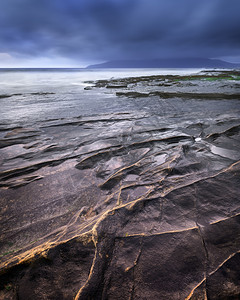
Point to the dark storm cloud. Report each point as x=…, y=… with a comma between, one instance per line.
x=119, y=29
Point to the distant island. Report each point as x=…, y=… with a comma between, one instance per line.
x=167, y=63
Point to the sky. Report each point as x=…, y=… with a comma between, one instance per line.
x=76, y=33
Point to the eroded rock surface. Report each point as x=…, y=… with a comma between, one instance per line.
x=134, y=204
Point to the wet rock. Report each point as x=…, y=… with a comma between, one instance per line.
x=135, y=204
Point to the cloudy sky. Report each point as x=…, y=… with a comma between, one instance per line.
x=75, y=33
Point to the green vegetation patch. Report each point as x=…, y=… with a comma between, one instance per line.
x=212, y=78
x=218, y=78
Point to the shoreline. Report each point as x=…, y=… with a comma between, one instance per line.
x=132, y=203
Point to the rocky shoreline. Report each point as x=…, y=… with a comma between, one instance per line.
x=141, y=204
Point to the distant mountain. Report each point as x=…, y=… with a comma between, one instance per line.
x=167, y=63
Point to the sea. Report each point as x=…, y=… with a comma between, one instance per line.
x=64, y=92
